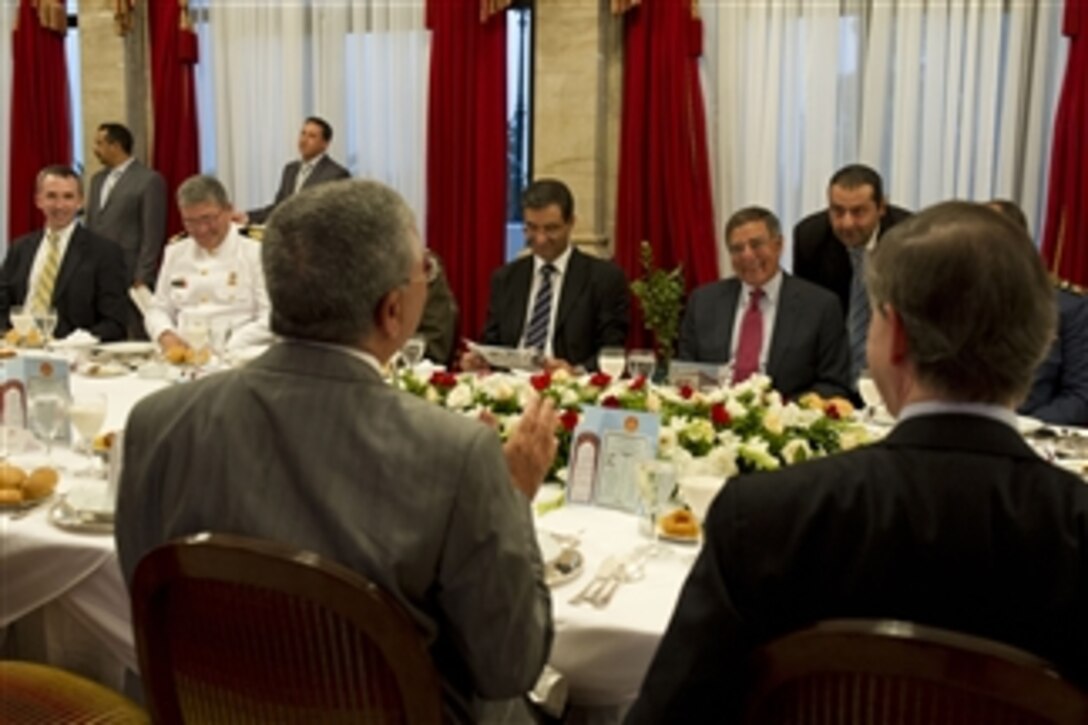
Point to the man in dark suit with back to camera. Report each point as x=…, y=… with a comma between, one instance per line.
x=828, y=246
x=429, y=505
x=66, y=267
x=950, y=521
x=127, y=205
x=314, y=166
x=561, y=301
x=764, y=319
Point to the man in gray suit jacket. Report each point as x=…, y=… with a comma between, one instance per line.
x=950, y=521
x=312, y=168
x=313, y=449
x=127, y=204
x=802, y=344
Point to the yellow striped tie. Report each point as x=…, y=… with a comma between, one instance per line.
x=43, y=291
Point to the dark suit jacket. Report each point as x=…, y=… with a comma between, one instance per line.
x=1060, y=391
x=326, y=170
x=134, y=217
x=951, y=521
x=592, y=307
x=90, y=291
x=820, y=257
x=808, y=351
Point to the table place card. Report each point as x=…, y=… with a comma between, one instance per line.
x=608, y=445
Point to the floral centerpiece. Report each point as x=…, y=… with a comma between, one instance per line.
x=729, y=430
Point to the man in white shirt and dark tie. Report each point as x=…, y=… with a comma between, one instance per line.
x=557, y=300
x=764, y=320
x=314, y=166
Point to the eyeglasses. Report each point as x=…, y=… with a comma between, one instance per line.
x=201, y=221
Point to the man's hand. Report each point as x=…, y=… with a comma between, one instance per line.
x=174, y=349
x=473, y=362
x=531, y=447
x=552, y=364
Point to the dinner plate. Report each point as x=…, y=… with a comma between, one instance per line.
x=127, y=348
x=64, y=516
x=562, y=564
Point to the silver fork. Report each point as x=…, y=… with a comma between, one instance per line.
x=603, y=584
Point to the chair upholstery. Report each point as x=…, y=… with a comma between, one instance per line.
x=34, y=694
x=236, y=630
x=845, y=672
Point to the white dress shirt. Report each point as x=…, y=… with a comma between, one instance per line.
x=227, y=282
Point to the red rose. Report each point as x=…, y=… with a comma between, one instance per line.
x=541, y=381
x=719, y=415
x=832, y=411
x=638, y=383
x=600, y=380
x=441, y=379
x=686, y=391
x=611, y=402
x=569, y=419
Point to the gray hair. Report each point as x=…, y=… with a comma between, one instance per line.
x=975, y=300
x=750, y=214
x=331, y=253
x=200, y=189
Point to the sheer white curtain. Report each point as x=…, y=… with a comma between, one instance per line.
x=944, y=98
x=7, y=17
x=361, y=65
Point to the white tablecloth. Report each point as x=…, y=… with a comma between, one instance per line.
x=72, y=584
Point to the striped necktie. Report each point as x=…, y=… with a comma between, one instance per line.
x=536, y=334
x=857, y=317
x=43, y=290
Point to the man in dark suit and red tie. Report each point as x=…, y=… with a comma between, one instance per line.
x=950, y=521
x=314, y=166
x=561, y=301
x=764, y=320
x=65, y=267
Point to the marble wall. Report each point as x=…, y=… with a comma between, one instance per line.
x=577, y=84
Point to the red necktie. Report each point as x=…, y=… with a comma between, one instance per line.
x=751, y=339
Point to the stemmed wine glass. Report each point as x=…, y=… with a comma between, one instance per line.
x=88, y=412
x=641, y=363
x=656, y=480
x=612, y=361
x=413, y=350
x=48, y=414
x=47, y=322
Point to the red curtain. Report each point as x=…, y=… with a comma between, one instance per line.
x=40, y=114
x=176, y=149
x=466, y=151
x=1065, y=242
x=664, y=171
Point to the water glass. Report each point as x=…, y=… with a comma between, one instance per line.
x=413, y=350
x=656, y=481
x=87, y=412
x=612, y=361
x=641, y=363
x=48, y=413
x=22, y=319
x=47, y=323
x=219, y=332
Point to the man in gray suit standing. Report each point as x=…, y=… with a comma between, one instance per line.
x=127, y=204
x=315, y=450
x=314, y=166
x=764, y=320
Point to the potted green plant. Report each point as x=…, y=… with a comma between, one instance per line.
x=660, y=293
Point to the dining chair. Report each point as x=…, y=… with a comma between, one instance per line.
x=236, y=630
x=848, y=672
x=34, y=694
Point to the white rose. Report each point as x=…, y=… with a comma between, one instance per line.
x=460, y=397
x=797, y=450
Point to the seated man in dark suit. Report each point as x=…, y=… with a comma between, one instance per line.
x=1059, y=393
x=65, y=266
x=828, y=246
x=766, y=320
x=314, y=449
x=563, y=302
x=438, y=326
x=951, y=521
x=314, y=166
